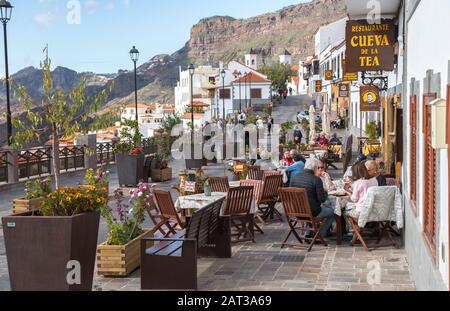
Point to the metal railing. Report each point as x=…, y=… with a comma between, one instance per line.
x=37, y=162
x=71, y=158
x=105, y=154
x=34, y=162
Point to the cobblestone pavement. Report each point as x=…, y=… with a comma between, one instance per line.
x=264, y=266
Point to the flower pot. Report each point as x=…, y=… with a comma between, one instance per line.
x=130, y=169
x=162, y=175
x=51, y=253
x=121, y=260
x=23, y=205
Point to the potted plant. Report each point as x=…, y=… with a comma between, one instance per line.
x=120, y=254
x=53, y=249
x=35, y=192
x=161, y=172
x=372, y=131
x=130, y=157
x=98, y=179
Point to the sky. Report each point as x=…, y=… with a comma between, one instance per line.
x=96, y=35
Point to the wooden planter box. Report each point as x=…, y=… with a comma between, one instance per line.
x=162, y=175
x=120, y=261
x=40, y=250
x=23, y=206
x=130, y=169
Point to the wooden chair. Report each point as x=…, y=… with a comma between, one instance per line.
x=347, y=150
x=271, y=173
x=299, y=216
x=155, y=216
x=379, y=205
x=219, y=184
x=169, y=215
x=257, y=190
x=254, y=173
x=238, y=206
x=270, y=195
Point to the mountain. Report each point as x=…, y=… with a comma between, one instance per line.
x=213, y=39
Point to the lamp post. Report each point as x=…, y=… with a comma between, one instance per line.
x=134, y=54
x=245, y=87
x=191, y=69
x=240, y=99
x=250, y=76
x=224, y=128
x=6, y=11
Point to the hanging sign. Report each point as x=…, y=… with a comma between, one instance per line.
x=318, y=86
x=344, y=90
x=370, y=47
x=329, y=75
x=370, y=98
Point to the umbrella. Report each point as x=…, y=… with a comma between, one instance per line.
x=312, y=124
x=326, y=119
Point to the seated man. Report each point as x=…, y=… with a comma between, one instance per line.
x=297, y=167
x=374, y=172
x=310, y=180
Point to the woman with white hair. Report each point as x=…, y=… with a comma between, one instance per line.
x=309, y=179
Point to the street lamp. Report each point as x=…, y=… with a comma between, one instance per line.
x=134, y=54
x=191, y=69
x=250, y=76
x=245, y=87
x=239, y=74
x=222, y=74
x=6, y=11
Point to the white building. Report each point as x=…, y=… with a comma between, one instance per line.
x=251, y=60
x=286, y=58
x=421, y=75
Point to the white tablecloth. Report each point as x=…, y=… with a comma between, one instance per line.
x=198, y=201
x=337, y=204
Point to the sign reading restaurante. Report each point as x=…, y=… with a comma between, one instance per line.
x=370, y=47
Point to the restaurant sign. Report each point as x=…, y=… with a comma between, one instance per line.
x=370, y=98
x=370, y=47
x=329, y=75
x=344, y=90
x=318, y=86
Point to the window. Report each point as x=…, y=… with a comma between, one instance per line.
x=256, y=93
x=253, y=62
x=429, y=222
x=413, y=152
x=225, y=94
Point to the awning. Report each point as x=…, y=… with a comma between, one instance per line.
x=359, y=9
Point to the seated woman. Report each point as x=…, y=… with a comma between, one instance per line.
x=362, y=182
x=328, y=184
x=374, y=172
x=297, y=167
x=287, y=160
x=323, y=141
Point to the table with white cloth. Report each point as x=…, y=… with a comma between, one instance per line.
x=338, y=203
x=189, y=204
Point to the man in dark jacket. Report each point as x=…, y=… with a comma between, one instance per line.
x=317, y=196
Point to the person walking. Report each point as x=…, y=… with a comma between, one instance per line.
x=270, y=125
x=298, y=135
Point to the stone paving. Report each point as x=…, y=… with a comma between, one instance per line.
x=264, y=266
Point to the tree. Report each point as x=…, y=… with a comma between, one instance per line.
x=279, y=74
x=58, y=113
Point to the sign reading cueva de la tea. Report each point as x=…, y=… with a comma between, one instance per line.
x=370, y=98
x=370, y=47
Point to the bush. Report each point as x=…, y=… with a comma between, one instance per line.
x=38, y=188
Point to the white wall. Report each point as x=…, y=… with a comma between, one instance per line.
x=429, y=48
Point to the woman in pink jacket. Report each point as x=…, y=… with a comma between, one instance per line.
x=362, y=182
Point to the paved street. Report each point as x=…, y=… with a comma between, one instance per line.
x=262, y=266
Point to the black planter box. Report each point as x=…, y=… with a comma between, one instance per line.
x=39, y=250
x=130, y=169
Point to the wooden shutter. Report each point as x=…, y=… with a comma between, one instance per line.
x=256, y=93
x=430, y=176
x=225, y=93
x=413, y=154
